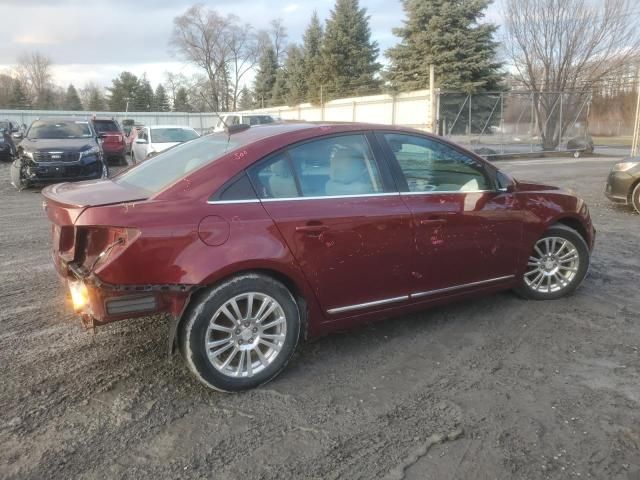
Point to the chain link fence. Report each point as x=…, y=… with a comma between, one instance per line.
x=512, y=123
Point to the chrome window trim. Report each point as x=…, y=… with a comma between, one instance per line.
x=447, y=192
x=329, y=197
x=232, y=202
x=360, y=306
x=460, y=287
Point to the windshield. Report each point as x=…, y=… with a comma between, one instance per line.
x=172, y=135
x=166, y=168
x=59, y=129
x=106, y=126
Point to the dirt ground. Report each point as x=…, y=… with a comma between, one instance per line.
x=490, y=388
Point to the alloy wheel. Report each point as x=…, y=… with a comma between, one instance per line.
x=245, y=335
x=553, y=265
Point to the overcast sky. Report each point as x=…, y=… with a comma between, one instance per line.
x=92, y=41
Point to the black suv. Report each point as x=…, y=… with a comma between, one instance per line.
x=7, y=147
x=58, y=150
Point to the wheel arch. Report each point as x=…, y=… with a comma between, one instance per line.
x=631, y=189
x=291, y=285
x=573, y=223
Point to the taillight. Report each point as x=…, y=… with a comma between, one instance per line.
x=97, y=244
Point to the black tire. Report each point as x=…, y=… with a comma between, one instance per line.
x=635, y=197
x=527, y=291
x=123, y=160
x=193, y=331
x=133, y=157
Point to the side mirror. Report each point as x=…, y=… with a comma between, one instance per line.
x=506, y=184
x=17, y=136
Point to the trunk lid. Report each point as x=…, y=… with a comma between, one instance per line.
x=64, y=202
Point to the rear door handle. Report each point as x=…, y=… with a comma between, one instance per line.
x=313, y=230
x=432, y=222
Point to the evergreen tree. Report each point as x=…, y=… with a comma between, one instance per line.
x=246, y=99
x=280, y=89
x=72, y=99
x=124, y=87
x=447, y=34
x=160, y=100
x=349, y=65
x=19, y=99
x=96, y=101
x=312, y=58
x=265, y=77
x=143, y=96
x=181, y=102
x=297, y=78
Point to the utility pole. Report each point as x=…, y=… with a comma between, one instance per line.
x=432, y=98
x=636, y=128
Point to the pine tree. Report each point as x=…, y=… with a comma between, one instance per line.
x=19, y=99
x=280, y=89
x=181, y=102
x=446, y=34
x=96, y=101
x=312, y=58
x=246, y=100
x=143, y=96
x=160, y=99
x=349, y=65
x=123, y=90
x=265, y=77
x=72, y=99
x=297, y=78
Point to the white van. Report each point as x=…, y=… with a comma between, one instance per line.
x=229, y=119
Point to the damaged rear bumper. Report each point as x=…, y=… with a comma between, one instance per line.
x=99, y=303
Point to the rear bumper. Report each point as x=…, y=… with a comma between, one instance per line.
x=112, y=150
x=104, y=303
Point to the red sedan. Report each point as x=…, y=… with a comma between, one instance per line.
x=254, y=239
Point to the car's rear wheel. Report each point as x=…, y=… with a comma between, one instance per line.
x=557, y=266
x=133, y=157
x=635, y=197
x=241, y=333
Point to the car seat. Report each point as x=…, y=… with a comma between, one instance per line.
x=348, y=174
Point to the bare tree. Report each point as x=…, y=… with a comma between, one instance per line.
x=224, y=48
x=278, y=35
x=34, y=69
x=567, y=46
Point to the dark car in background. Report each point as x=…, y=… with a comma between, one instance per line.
x=113, y=139
x=58, y=150
x=7, y=145
x=259, y=236
x=623, y=183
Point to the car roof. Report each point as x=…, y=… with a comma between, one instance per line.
x=186, y=127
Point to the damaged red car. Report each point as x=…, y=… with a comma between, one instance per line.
x=258, y=237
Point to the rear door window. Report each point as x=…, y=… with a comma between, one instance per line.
x=329, y=167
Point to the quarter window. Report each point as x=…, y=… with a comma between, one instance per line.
x=430, y=166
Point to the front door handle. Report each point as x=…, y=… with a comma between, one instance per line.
x=313, y=230
x=432, y=222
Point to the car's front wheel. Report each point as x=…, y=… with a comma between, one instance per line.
x=241, y=333
x=635, y=197
x=556, y=267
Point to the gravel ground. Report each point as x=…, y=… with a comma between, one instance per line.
x=490, y=388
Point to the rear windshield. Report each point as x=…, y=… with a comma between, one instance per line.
x=172, y=135
x=103, y=126
x=59, y=129
x=166, y=168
